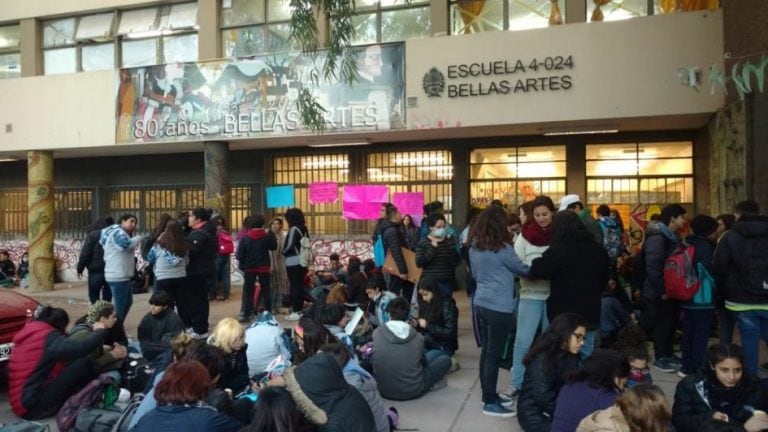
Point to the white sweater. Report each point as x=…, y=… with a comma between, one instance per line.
x=531, y=289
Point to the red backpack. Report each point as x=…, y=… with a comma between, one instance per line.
x=681, y=281
x=226, y=245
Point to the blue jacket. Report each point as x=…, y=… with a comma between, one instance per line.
x=495, y=273
x=119, y=255
x=196, y=418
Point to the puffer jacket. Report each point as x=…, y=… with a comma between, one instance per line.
x=39, y=355
x=265, y=340
x=235, y=374
x=318, y=387
x=659, y=243
x=607, y=420
x=253, y=250
x=442, y=331
x=438, y=263
x=394, y=240
x=699, y=396
x=203, y=250
x=119, y=254
x=538, y=397
x=749, y=233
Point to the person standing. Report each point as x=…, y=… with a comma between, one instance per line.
x=726, y=320
x=411, y=232
x=120, y=261
x=573, y=203
x=437, y=255
x=225, y=243
x=279, y=276
x=203, y=247
x=394, y=242
x=253, y=254
x=494, y=265
x=169, y=258
x=297, y=229
x=92, y=258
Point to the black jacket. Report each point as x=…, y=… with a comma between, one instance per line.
x=697, y=399
x=538, y=397
x=356, y=283
x=253, y=250
x=730, y=260
x=439, y=263
x=235, y=374
x=156, y=331
x=92, y=254
x=442, y=331
x=394, y=241
x=203, y=250
x=326, y=399
x=657, y=247
x=578, y=274
x=292, y=244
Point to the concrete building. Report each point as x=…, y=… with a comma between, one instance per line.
x=465, y=102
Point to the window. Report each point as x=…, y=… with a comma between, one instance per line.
x=73, y=213
x=476, y=16
x=620, y=9
x=517, y=174
x=634, y=173
x=391, y=20
x=10, y=59
x=148, y=36
x=255, y=27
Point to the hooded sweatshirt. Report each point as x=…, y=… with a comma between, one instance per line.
x=253, y=250
x=165, y=264
x=365, y=383
x=732, y=258
x=399, y=360
x=266, y=340
x=119, y=255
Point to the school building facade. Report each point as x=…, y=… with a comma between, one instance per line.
x=145, y=107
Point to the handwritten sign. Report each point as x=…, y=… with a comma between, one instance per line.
x=360, y=211
x=280, y=196
x=410, y=203
x=366, y=194
x=323, y=192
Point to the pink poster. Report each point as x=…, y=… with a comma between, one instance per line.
x=361, y=210
x=366, y=194
x=323, y=192
x=411, y=204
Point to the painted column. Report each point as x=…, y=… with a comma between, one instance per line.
x=217, y=194
x=41, y=218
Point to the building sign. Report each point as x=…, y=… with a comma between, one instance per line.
x=500, y=77
x=256, y=97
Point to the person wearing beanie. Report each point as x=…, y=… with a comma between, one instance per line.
x=103, y=312
x=573, y=203
x=697, y=313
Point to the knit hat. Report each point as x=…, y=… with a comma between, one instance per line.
x=95, y=309
x=703, y=225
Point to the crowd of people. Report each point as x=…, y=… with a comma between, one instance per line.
x=555, y=294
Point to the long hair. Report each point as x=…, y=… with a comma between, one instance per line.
x=430, y=311
x=315, y=335
x=294, y=217
x=553, y=343
x=602, y=368
x=489, y=231
x=276, y=411
x=645, y=408
x=184, y=382
x=226, y=332
x=567, y=227
x=173, y=239
x=337, y=295
x=162, y=223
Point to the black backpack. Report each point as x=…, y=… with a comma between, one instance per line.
x=754, y=274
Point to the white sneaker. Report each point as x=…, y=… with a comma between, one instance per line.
x=295, y=316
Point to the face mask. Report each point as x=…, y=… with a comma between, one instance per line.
x=439, y=232
x=362, y=269
x=24, y=259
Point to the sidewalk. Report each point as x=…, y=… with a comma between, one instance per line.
x=454, y=408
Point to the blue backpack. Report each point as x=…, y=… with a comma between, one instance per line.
x=379, y=254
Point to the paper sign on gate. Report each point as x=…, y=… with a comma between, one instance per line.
x=280, y=196
x=366, y=194
x=323, y=192
x=410, y=203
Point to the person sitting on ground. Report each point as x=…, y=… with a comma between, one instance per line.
x=553, y=356
x=363, y=381
x=107, y=357
x=23, y=270
x=356, y=281
x=159, y=326
x=632, y=343
x=334, y=273
x=253, y=256
x=370, y=270
x=334, y=317
x=336, y=293
x=7, y=270
x=309, y=336
x=276, y=411
x=38, y=381
x=596, y=386
x=321, y=393
x=438, y=319
x=721, y=392
x=613, y=316
x=378, y=301
x=402, y=365
x=229, y=336
x=180, y=396
x=643, y=408
x=265, y=340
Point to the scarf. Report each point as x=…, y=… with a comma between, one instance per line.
x=536, y=234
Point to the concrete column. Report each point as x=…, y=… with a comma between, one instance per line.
x=439, y=11
x=41, y=217
x=460, y=184
x=217, y=194
x=576, y=11
x=576, y=169
x=31, y=47
x=209, y=31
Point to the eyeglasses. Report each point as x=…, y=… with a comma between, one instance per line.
x=579, y=336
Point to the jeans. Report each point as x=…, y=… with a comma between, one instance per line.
x=447, y=287
x=97, y=286
x=663, y=314
x=122, y=294
x=55, y=392
x=696, y=328
x=438, y=365
x=222, y=275
x=726, y=324
x=296, y=282
x=752, y=325
x=589, y=344
x=246, y=303
x=495, y=328
x=531, y=315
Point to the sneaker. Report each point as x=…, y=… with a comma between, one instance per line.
x=443, y=383
x=682, y=374
x=295, y=316
x=455, y=365
x=244, y=319
x=508, y=401
x=675, y=360
x=663, y=365
x=496, y=410
x=510, y=394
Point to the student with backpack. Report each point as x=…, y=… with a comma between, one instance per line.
x=697, y=313
x=226, y=248
x=613, y=240
x=659, y=308
x=92, y=258
x=394, y=242
x=741, y=259
x=253, y=257
x=292, y=250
